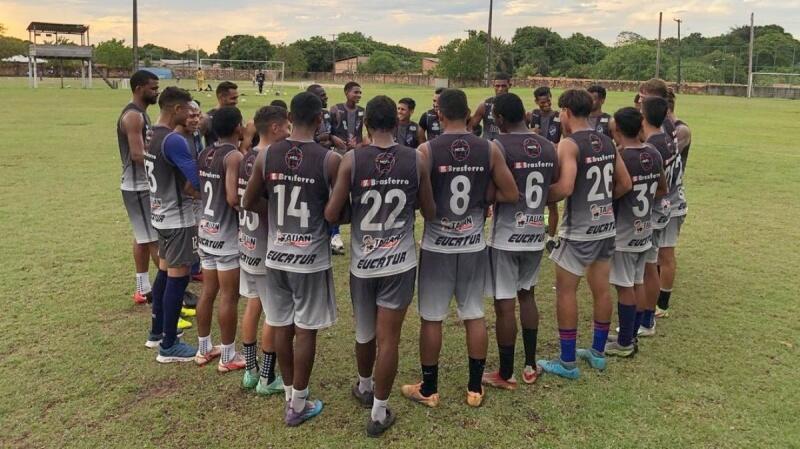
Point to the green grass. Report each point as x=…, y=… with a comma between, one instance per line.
x=722, y=372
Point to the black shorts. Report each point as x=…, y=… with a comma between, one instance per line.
x=178, y=246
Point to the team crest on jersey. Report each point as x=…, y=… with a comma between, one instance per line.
x=599, y=211
x=247, y=242
x=532, y=147
x=459, y=149
x=290, y=239
x=209, y=227
x=384, y=163
x=522, y=220
x=458, y=226
x=294, y=157
x=599, y=128
x=248, y=167
x=369, y=243
x=639, y=226
x=646, y=161
x=596, y=143
x=155, y=203
x=552, y=130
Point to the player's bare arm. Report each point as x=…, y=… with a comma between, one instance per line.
x=662, y=188
x=427, y=205
x=232, y=162
x=622, y=179
x=133, y=125
x=247, y=139
x=477, y=116
x=507, y=191
x=341, y=191
x=568, y=169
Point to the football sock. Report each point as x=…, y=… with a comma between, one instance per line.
x=204, y=345
x=663, y=299
x=143, y=283
x=173, y=299
x=157, y=322
x=268, y=367
x=637, y=322
x=567, y=338
x=299, y=399
x=506, y=361
x=364, y=384
x=430, y=379
x=648, y=318
x=600, y=336
x=627, y=319
x=379, y=410
x=529, y=338
x=287, y=392
x=476, y=367
x=228, y=352
x=249, y=350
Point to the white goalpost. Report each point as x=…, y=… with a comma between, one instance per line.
x=779, y=84
x=246, y=70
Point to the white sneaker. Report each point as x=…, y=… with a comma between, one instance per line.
x=337, y=245
x=645, y=332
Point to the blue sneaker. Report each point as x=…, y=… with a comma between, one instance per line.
x=559, y=368
x=312, y=409
x=179, y=352
x=593, y=358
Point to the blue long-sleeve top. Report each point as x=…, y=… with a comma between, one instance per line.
x=178, y=154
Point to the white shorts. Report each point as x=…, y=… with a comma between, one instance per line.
x=442, y=276
x=253, y=286
x=512, y=271
x=652, y=253
x=627, y=268
x=575, y=256
x=670, y=234
x=219, y=263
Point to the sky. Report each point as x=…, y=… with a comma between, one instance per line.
x=422, y=25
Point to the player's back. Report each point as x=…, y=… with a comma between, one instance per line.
x=665, y=146
x=252, y=225
x=170, y=205
x=633, y=210
x=298, y=188
x=679, y=204
x=384, y=188
x=133, y=178
x=589, y=213
x=219, y=225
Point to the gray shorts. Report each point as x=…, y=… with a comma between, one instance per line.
x=253, y=286
x=219, y=263
x=393, y=292
x=304, y=299
x=627, y=268
x=442, y=276
x=512, y=271
x=652, y=253
x=138, y=206
x=670, y=234
x=178, y=246
x=574, y=256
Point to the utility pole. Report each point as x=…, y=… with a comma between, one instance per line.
x=333, y=54
x=489, y=45
x=679, y=53
x=135, y=36
x=750, y=63
x=658, y=47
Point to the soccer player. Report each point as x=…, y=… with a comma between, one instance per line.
x=133, y=134
x=387, y=181
x=260, y=78
x=429, y=125
x=591, y=175
x=173, y=181
x=227, y=96
x=517, y=238
x=348, y=117
x=191, y=133
x=598, y=119
x=272, y=123
x=218, y=236
x=407, y=131
x=297, y=175
x=453, y=258
x=547, y=123
x=632, y=217
x=324, y=135
x=484, y=111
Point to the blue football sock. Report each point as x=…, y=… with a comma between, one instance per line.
x=627, y=320
x=649, y=318
x=637, y=322
x=173, y=300
x=157, y=314
x=600, y=336
x=567, y=337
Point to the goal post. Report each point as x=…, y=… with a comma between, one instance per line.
x=246, y=70
x=774, y=85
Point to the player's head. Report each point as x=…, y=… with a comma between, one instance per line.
x=144, y=85
x=543, y=98
x=575, y=104
x=174, y=103
x=227, y=122
x=501, y=83
x=598, y=94
x=280, y=104
x=509, y=112
x=227, y=94
x=381, y=114
x=436, y=94
x=653, y=87
x=453, y=105
x=671, y=100
x=352, y=90
x=319, y=91
x=628, y=123
x=654, y=110
x=306, y=111
x=636, y=101
x=272, y=121
x=193, y=120
x=405, y=108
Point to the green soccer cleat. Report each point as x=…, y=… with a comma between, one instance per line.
x=249, y=380
x=264, y=389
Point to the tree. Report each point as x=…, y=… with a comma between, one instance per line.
x=114, y=53
x=318, y=53
x=463, y=59
x=293, y=58
x=634, y=61
x=245, y=47
x=11, y=46
x=584, y=49
x=2, y=29
x=380, y=62
x=628, y=37
x=538, y=47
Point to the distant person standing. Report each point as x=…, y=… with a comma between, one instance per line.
x=260, y=78
x=348, y=117
x=201, y=79
x=407, y=132
x=598, y=119
x=547, y=123
x=429, y=125
x=485, y=111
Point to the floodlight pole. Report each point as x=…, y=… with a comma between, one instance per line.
x=750, y=61
x=489, y=45
x=679, y=53
x=135, y=36
x=658, y=47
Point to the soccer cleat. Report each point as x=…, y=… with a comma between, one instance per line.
x=613, y=348
x=179, y=352
x=153, y=341
x=377, y=428
x=414, y=393
x=475, y=399
x=183, y=324
x=593, y=358
x=142, y=298
x=312, y=409
x=647, y=331
x=531, y=374
x=265, y=389
x=337, y=245
x=203, y=359
x=494, y=379
x=558, y=368
x=662, y=313
x=188, y=313
x=365, y=399
x=237, y=362
x=190, y=300
x=249, y=380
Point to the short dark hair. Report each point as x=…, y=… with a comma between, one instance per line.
x=225, y=86
x=141, y=78
x=173, y=95
x=597, y=89
x=628, y=121
x=502, y=76
x=453, y=104
x=671, y=99
x=654, y=110
x=542, y=91
x=438, y=90
x=268, y=115
x=510, y=107
x=226, y=120
x=306, y=107
x=409, y=102
x=654, y=86
x=381, y=114
x=350, y=85
x=280, y=104
x=578, y=101
x=313, y=88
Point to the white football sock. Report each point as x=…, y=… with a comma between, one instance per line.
x=287, y=392
x=379, y=410
x=143, y=283
x=228, y=352
x=299, y=399
x=364, y=384
x=204, y=345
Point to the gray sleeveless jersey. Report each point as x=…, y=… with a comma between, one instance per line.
x=252, y=225
x=666, y=148
x=679, y=206
x=460, y=176
x=633, y=210
x=297, y=191
x=533, y=162
x=383, y=193
x=219, y=225
x=170, y=205
x=589, y=211
x=490, y=129
x=133, y=176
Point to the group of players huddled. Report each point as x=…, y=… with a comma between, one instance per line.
x=260, y=201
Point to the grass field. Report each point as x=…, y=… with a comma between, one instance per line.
x=722, y=372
